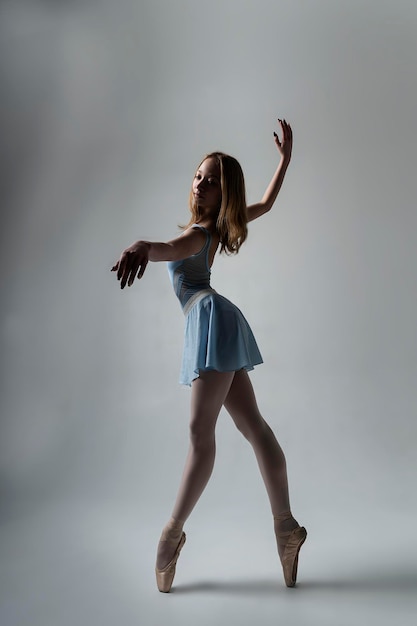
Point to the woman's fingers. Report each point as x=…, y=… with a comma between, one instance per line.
x=122, y=265
x=124, y=276
x=130, y=273
x=132, y=263
x=131, y=266
x=136, y=264
x=286, y=131
x=123, y=268
x=142, y=268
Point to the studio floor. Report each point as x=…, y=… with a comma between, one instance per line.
x=68, y=563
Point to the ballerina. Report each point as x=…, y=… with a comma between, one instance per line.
x=219, y=347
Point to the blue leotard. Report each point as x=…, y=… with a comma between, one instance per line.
x=217, y=336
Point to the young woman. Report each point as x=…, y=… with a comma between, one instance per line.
x=219, y=347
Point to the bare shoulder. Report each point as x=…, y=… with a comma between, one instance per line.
x=197, y=234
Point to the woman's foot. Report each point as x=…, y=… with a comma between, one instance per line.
x=290, y=537
x=169, y=548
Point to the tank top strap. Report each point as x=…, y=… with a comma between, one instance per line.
x=203, y=228
x=206, y=246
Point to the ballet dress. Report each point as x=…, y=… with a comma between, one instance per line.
x=217, y=335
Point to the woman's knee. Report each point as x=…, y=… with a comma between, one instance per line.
x=258, y=433
x=202, y=433
x=252, y=427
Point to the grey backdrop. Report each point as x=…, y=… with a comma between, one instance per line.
x=106, y=110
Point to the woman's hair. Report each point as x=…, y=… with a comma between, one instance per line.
x=231, y=222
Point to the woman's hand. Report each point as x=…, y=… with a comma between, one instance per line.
x=284, y=146
x=132, y=263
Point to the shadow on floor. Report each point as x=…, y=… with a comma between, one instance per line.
x=396, y=582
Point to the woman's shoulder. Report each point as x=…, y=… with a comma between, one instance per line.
x=207, y=227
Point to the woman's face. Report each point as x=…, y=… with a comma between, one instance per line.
x=207, y=189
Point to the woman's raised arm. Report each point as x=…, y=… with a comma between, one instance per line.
x=269, y=197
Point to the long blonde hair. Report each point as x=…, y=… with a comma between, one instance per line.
x=231, y=224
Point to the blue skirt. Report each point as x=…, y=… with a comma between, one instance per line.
x=217, y=337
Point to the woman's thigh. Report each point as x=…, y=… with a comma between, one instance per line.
x=241, y=404
x=208, y=394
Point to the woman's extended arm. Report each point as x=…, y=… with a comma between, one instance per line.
x=284, y=148
x=133, y=260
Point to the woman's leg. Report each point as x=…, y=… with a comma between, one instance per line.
x=241, y=404
x=208, y=394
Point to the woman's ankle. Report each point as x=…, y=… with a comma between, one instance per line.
x=172, y=530
x=285, y=522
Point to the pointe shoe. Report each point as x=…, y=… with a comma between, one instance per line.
x=165, y=576
x=289, y=560
x=291, y=542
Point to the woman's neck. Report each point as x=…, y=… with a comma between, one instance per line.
x=208, y=219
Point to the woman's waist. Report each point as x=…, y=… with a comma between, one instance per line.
x=192, y=297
